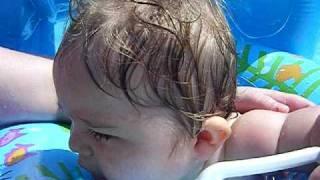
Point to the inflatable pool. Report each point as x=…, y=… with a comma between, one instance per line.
x=278, y=43
x=278, y=48
x=288, y=25
x=35, y=27
x=38, y=151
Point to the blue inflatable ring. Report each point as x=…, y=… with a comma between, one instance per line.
x=38, y=151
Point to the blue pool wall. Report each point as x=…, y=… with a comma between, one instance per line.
x=37, y=26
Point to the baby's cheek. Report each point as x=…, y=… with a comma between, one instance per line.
x=114, y=156
x=121, y=165
x=143, y=162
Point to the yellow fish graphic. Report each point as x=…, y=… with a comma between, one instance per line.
x=17, y=154
x=287, y=72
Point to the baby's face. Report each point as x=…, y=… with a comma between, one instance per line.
x=113, y=139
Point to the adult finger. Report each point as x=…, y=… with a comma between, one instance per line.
x=294, y=102
x=273, y=104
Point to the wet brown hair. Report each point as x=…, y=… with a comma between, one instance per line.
x=184, y=48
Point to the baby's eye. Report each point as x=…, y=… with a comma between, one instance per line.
x=98, y=136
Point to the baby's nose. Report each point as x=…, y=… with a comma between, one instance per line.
x=79, y=145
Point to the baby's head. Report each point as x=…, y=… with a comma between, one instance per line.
x=144, y=83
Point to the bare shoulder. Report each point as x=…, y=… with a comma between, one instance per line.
x=255, y=134
x=300, y=130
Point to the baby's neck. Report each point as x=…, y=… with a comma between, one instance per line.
x=217, y=157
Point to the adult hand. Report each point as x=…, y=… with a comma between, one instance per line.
x=249, y=98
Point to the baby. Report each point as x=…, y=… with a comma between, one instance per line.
x=150, y=88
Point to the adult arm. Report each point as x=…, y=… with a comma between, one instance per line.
x=27, y=92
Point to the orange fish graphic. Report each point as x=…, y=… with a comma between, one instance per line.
x=17, y=154
x=287, y=72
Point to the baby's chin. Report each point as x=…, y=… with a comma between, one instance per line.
x=99, y=177
x=94, y=172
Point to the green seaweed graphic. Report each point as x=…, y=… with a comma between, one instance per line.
x=243, y=62
x=22, y=177
x=67, y=172
x=79, y=173
x=46, y=172
x=257, y=72
x=243, y=65
x=311, y=88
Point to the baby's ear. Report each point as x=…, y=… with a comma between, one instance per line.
x=215, y=131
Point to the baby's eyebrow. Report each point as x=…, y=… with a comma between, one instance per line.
x=88, y=121
x=95, y=126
